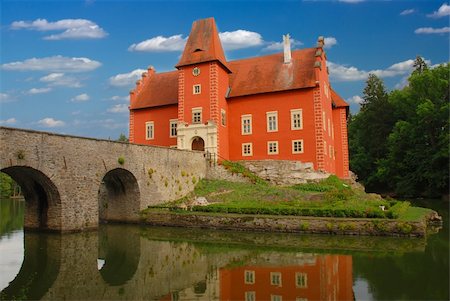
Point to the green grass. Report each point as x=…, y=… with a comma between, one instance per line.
x=414, y=214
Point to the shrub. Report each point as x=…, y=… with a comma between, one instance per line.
x=121, y=160
x=397, y=209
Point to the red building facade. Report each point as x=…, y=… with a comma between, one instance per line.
x=274, y=107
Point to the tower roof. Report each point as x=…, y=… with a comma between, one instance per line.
x=203, y=45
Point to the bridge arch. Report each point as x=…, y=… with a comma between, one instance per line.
x=119, y=196
x=42, y=198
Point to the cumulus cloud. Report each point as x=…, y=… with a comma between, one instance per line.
x=9, y=121
x=344, y=73
x=407, y=12
x=80, y=98
x=355, y=99
x=330, y=42
x=72, y=28
x=51, y=123
x=126, y=79
x=60, y=79
x=120, y=108
x=39, y=90
x=56, y=63
x=160, y=43
x=239, y=39
x=431, y=30
x=120, y=98
x=443, y=11
x=278, y=46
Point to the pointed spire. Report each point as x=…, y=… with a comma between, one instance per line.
x=203, y=45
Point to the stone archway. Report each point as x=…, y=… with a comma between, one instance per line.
x=42, y=198
x=198, y=144
x=119, y=196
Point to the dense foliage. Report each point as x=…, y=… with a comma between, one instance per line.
x=6, y=185
x=399, y=142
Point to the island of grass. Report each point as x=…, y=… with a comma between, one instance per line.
x=329, y=206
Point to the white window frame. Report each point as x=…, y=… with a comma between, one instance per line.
x=223, y=116
x=196, y=89
x=330, y=149
x=269, y=116
x=173, y=122
x=275, y=279
x=277, y=148
x=244, y=153
x=302, y=146
x=250, y=296
x=325, y=147
x=249, y=277
x=276, y=298
x=194, y=111
x=149, y=134
x=245, y=118
x=294, y=114
x=303, y=283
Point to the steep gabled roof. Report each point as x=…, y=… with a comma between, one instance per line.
x=159, y=89
x=203, y=44
x=269, y=73
x=337, y=100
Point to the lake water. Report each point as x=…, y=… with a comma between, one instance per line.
x=129, y=262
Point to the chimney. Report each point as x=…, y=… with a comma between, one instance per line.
x=287, y=49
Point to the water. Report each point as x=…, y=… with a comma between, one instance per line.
x=147, y=263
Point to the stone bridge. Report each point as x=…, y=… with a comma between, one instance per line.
x=70, y=183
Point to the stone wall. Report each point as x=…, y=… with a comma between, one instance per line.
x=284, y=172
x=218, y=172
x=63, y=175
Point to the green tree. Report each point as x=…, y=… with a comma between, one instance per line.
x=122, y=138
x=368, y=132
x=420, y=65
x=6, y=185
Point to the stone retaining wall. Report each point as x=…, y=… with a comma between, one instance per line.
x=293, y=224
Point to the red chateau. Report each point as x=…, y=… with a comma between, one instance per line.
x=274, y=107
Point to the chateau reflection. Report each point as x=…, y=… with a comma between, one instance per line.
x=133, y=263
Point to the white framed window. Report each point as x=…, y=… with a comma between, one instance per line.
x=272, y=147
x=149, y=130
x=276, y=298
x=250, y=296
x=173, y=127
x=197, y=115
x=297, y=146
x=324, y=121
x=272, y=121
x=330, y=151
x=223, y=115
x=275, y=278
x=301, y=299
x=301, y=280
x=326, y=90
x=247, y=149
x=296, y=119
x=246, y=124
x=249, y=277
x=197, y=89
x=324, y=147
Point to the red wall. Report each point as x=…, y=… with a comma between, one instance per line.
x=257, y=106
x=160, y=116
x=197, y=100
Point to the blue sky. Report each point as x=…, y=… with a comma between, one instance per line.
x=68, y=66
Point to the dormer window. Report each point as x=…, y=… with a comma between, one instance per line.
x=198, y=49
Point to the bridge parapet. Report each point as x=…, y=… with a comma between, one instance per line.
x=69, y=182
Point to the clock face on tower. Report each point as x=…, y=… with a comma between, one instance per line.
x=196, y=71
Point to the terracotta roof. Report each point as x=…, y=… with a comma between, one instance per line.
x=203, y=44
x=159, y=89
x=337, y=100
x=270, y=74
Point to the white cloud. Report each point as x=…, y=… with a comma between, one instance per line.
x=9, y=121
x=407, y=12
x=343, y=73
x=4, y=98
x=56, y=63
x=80, y=98
x=51, y=123
x=120, y=108
x=39, y=90
x=355, y=99
x=330, y=42
x=239, y=39
x=60, y=79
x=160, y=43
x=431, y=30
x=278, y=46
x=120, y=98
x=443, y=11
x=72, y=28
x=351, y=1
x=126, y=79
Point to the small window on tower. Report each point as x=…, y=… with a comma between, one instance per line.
x=197, y=89
x=224, y=117
x=197, y=115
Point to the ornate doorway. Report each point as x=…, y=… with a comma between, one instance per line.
x=198, y=144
